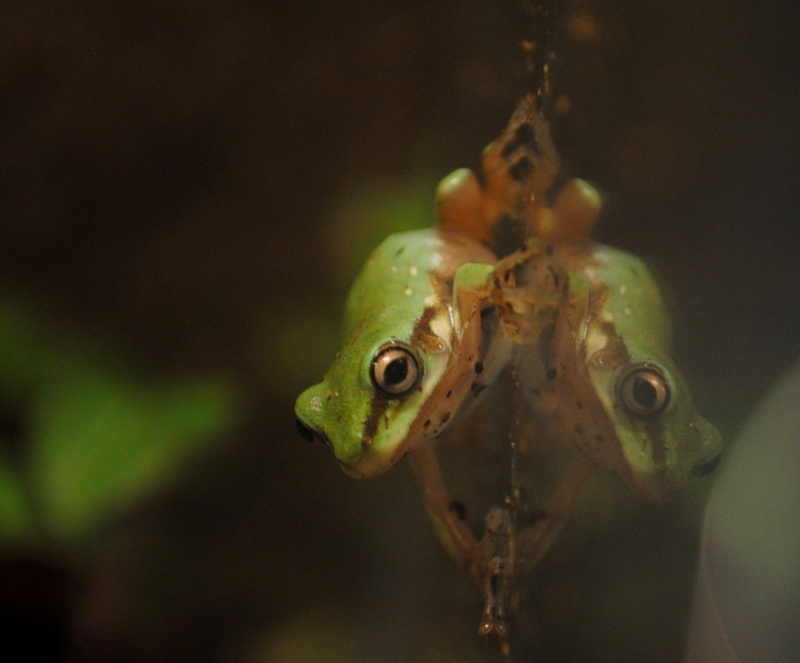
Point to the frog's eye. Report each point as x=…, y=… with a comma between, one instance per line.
x=644, y=391
x=396, y=369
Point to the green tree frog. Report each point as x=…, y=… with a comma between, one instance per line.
x=435, y=317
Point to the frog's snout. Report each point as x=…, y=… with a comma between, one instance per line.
x=710, y=447
x=706, y=466
x=311, y=434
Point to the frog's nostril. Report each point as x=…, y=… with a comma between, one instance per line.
x=706, y=466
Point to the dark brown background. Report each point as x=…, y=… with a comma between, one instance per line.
x=168, y=176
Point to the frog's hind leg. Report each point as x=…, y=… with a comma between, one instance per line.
x=573, y=214
x=521, y=165
x=488, y=560
x=517, y=170
x=453, y=531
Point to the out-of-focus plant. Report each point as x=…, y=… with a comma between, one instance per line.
x=83, y=435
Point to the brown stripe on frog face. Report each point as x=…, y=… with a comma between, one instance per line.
x=655, y=433
x=614, y=353
x=377, y=411
x=423, y=336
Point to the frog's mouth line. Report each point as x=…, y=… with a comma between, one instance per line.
x=311, y=434
x=351, y=470
x=707, y=466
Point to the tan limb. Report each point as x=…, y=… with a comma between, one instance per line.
x=461, y=206
x=453, y=532
x=572, y=216
x=487, y=561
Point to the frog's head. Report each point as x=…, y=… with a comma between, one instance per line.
x=648, y=431
x=400, y=378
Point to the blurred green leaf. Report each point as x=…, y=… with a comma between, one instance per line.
x=98, y=436
x=16, y=522
x=102, y=441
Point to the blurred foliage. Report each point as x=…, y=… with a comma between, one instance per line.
x=93, y=435
x=16, y=518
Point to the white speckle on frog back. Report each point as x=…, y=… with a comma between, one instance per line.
x=413, y=271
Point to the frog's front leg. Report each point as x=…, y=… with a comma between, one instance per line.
x=474, y=361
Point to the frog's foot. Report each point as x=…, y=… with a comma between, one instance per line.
x=527, y=288
x=497, y=545
x=521, y=164
x=493, y=622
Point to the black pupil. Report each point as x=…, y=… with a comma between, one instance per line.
x=396, y=371
x=645, y=394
